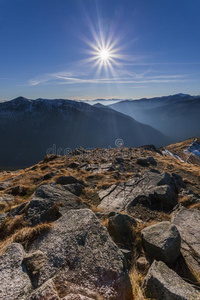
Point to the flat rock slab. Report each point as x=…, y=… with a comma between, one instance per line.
x=158, y=189
x=188, y=224
x=14, y=281
x=79, y=250
x=162, y=283
x=161, y=242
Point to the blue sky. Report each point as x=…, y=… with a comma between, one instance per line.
x=48, y=48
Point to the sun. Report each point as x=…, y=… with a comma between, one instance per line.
x=104, y=54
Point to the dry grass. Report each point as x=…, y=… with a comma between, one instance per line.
x=170, y=163
x=12, y=225
x=196, y=206
x=136, y=279
x=24, y=236
x=105, y=222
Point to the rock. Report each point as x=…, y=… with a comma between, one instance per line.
x=14, y=280
x=161, y=242
x=151, y=148
x=80, y=251
x=76, y=297
x=162, y=283
x=50, y=157
x=4, y=186
x=63, y=180
x=119, y=160
x=74, y=188
x=120, y=227
x=142, y=264
x=142, y=162
x=152, y=161
x=188, y=222
x=159, y=190
x=3, y=217
x=50, y=202
x=45, y=292
x=6, y=199
x=79, y=151
x=19, y=191
x=74, y=165
x=128, y=254
x=49, y=175
x=34, y=262
x=96, y=168
x=20, y=209
x=155, y=171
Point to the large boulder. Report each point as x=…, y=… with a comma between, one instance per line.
x=14, y=281
x=161, y=242
x=121, y=229
x=80, y=251
x=159, y=190
x=162, y=283
x=188, y=224
x=50, y=202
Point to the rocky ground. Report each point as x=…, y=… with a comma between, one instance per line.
x=102, y=224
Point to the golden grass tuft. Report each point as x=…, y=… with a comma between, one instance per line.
x=136, y=279
x=24, y=236
x=12, y=225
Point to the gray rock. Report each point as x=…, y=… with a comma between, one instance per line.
x=50, y=202
x=63, y=180
x=3, y=217
x=76, y=297
x=96, y=168
x=6, y=199
x=119, y=160
x=18, y=190
x=13, y=277
x=162, y=283
x=151, y=160
x=142, y=264
x=142, y=162
x=74, y=188
x=121, y=229
x=46, y=292
x=4, y=185
x=188, y=223
x=159, y=190
x=34, y=262
x=161, y=242
x=79, y=250
x=18, y=210
x=74, y=165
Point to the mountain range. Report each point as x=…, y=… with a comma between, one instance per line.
x=177, y=116
x=28, y=128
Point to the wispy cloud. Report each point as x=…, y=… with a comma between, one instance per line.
x=130, y=78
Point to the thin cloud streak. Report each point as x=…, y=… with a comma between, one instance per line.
x=60, y=78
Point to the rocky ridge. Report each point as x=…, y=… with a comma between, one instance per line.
x=101, y=224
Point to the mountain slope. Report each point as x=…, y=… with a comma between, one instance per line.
x=29, y=127
x=176, y=116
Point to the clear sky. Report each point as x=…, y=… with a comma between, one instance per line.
x=86, y=49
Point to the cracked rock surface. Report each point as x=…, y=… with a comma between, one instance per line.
x=188, y=221
x=157, y=189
